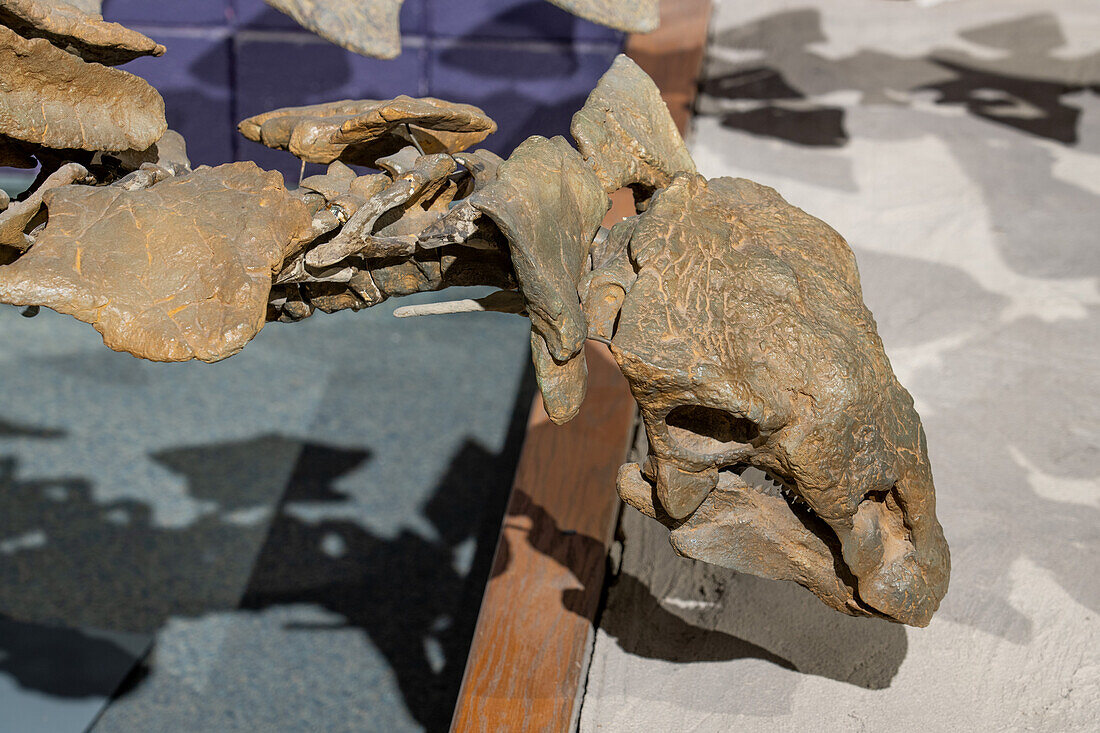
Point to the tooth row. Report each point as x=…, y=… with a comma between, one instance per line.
x=765, y=484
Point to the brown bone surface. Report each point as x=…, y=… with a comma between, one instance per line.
x=177, y=271
x=72, y=28
x=14, y=220
x=747, y=530
x=549, y=205
x=369, y=27
x=383, y=235
x=746, y=343
x=51, y=98
x=361, y=131
x=626, y=133
x=632, y=16
x=413, y=200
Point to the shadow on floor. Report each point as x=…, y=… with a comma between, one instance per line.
x=65, y=663
x=415, y=597
x=1027, y=85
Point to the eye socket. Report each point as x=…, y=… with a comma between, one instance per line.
x=708, y=429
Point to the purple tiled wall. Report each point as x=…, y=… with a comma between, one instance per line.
x=525, y=62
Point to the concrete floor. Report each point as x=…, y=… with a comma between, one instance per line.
x=956, y=145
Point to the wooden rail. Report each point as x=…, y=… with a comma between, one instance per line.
x=533, y=634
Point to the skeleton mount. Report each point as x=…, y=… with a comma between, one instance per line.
x=737, y=319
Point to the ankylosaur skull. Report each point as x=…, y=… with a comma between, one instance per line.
x=747, y=344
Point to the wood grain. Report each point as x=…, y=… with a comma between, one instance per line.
x=673, y=54
x=529, y=657
x=528, y=654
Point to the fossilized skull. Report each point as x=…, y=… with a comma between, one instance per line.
x=747, y=344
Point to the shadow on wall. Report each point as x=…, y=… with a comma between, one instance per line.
x=534, y=19
x=522, y=65
x=529, y=88
x=108, y=565
x=667, y=636
x=1024, y=87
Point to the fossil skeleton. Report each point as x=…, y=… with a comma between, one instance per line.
x=736, y=318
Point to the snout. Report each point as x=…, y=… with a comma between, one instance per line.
x=901, y=562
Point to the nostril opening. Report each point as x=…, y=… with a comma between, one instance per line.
x=708, y=429
x=886, y=502
x=878, y=495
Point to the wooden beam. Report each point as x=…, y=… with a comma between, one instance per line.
x=673, y=54
x=529, y=657
x=534, y=632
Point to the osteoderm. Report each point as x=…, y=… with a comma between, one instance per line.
x=736, y=318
